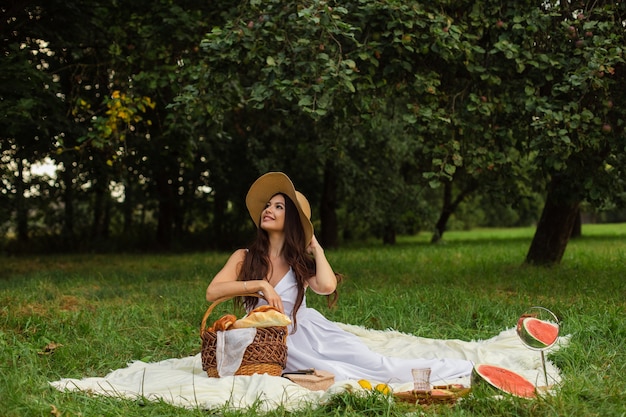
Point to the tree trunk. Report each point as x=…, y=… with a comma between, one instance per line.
x=127, y=206
x=577, y=229
x=167, y=209
x=449, y=206
x=106, y=220
x=20, y=204
x=555, y=225
x=440, y=227
x=99, y=226
x=68, y=201
x=389, y=235
x=328, y=208
x=220, y=205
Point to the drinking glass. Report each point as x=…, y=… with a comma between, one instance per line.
x=421, y=379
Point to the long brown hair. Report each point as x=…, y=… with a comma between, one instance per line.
x=256, y=264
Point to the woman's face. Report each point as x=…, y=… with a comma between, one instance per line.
x=273, y=216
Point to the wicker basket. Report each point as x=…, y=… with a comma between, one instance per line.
x=267, y=354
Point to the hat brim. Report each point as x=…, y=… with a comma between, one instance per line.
x=267, y=186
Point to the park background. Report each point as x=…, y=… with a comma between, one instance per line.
x=153, y=119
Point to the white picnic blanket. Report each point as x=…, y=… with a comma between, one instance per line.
x=182, y=382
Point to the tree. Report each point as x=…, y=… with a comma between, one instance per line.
x=28, y=105
x=272, y=59
x=145, y=60
x=85, y=56
x=372, y=107
x=462, y=76
x=577, y=105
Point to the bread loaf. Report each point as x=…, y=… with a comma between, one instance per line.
x=263, y=316
x=224, y=323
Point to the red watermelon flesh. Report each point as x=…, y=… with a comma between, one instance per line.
x=504, y=380
x=538, y=333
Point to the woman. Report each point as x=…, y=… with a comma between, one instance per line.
x=282, y=263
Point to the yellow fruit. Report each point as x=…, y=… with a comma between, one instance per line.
x=365, y=384
x=384, y=388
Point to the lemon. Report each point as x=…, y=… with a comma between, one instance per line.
x=365, y=384
x=384, y=388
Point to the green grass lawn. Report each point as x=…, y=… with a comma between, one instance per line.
x=102, y=311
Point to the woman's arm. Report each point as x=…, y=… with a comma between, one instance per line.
x=324, y=281
x=225, y=283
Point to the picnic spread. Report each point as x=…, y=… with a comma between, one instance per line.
x=182, y=381
x=251, y=361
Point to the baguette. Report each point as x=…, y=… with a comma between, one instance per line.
x=262, y=316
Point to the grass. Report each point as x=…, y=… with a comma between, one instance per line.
x=102, y=311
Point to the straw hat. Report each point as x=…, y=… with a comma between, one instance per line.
x=271, y=184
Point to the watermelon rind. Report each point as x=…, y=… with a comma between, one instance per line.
x=531, y=339
x=517, y=385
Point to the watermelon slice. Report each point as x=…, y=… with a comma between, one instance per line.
x=503, y=380
x=538, y=333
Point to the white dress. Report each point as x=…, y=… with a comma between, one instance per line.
x=319, y=343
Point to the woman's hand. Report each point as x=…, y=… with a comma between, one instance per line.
x=272, y=297
x=314, y=247
x=225, y=283
x=324, y=282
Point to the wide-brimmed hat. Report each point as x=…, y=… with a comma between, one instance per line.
x=270, y=184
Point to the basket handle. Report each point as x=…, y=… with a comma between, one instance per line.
x=221, y=300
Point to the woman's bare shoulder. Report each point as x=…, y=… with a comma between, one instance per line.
x=238, y=255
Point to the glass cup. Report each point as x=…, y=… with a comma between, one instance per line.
x=421, y=379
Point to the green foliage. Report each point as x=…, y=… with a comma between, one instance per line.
x=285, y=54
x=575, y=129
x=123, y=115
x=384, y=99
